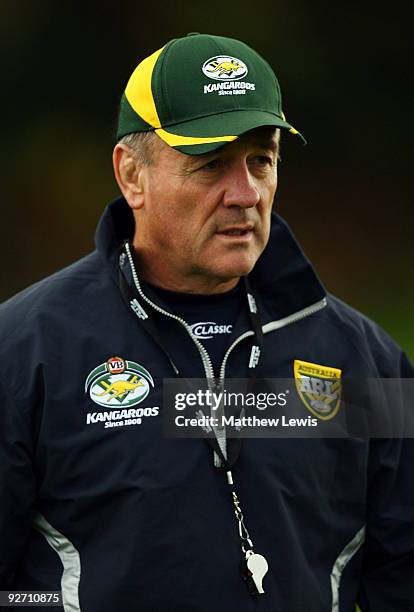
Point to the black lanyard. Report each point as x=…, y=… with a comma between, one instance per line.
x=254, y=565
x=132, y=296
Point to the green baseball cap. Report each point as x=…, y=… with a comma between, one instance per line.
x=200, y=92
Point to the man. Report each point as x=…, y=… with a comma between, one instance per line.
x=194, y=277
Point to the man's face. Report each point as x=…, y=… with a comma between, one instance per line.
x=206, y=218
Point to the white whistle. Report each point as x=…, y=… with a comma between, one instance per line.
x=258, y=566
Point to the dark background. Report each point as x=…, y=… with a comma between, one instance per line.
x=346, y=74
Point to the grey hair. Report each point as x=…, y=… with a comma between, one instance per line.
x=143, y=144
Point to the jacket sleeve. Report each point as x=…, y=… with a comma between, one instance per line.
x=17, y=482
x=387, y=581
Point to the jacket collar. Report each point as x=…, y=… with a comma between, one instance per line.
x=283, y=278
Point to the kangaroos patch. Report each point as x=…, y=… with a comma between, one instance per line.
x=319, y=387
x=118, y=383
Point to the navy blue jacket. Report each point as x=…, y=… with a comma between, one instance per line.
x=124, y=519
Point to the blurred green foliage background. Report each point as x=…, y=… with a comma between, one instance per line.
x=346, y=74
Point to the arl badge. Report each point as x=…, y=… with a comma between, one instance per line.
x=319, y=388
x=118, y=383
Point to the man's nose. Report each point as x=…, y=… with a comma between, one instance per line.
x=240, y=188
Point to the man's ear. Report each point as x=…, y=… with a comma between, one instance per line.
x=128, y=174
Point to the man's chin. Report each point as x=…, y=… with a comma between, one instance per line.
x=235, y=270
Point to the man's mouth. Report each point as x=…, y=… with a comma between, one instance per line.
x=236, y=230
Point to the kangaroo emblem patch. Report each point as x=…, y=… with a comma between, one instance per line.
x=118, y=383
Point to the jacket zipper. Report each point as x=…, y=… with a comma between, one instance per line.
x=205, y=357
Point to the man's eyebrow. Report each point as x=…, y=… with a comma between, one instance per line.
x=196, y=160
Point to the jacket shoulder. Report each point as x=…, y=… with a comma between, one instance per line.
x=52, y=293
x=363, y=333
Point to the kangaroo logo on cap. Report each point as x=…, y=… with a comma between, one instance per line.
x=224, y=68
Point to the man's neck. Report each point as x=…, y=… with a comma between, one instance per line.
x=167, y=278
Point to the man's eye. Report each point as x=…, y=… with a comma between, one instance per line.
x=214, y=164
x=264, y=160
